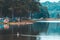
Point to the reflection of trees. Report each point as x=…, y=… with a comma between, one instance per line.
x=6, y=26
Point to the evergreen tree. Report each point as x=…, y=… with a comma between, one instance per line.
x=21, y=7
x=1, y=6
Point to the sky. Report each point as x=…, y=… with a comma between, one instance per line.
x=49, y=0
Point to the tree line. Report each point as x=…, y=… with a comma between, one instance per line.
x=21, y=8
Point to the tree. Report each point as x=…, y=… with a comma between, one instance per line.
x=21, y=5
x=1, y=6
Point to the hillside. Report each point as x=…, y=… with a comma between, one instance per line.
x=53, y=8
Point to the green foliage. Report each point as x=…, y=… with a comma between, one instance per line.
x=22, y=6
x=53, y=8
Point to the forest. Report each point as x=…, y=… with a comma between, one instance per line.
x=22, y=8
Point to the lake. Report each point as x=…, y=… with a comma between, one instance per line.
x=30, y=31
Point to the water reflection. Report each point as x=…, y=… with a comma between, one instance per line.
x=54, y=28
x=5, y=32
x=6, y=26
x=14, y=32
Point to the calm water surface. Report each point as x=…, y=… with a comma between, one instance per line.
x=13, y=32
